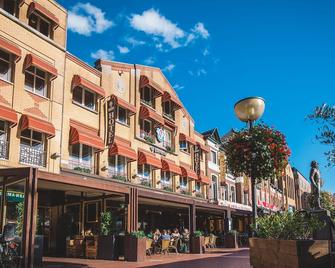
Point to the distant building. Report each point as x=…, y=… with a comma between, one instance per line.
x=302, y=189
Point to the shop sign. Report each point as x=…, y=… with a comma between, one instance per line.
x=197, y=152
x=160, y=134
x=14, y=196
x=111, y=117
x=234, y=205
x=222, y=164
x=157, y=151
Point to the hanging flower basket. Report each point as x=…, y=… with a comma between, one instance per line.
x=262, y=151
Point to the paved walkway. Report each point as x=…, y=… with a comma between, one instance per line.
x=216, y=258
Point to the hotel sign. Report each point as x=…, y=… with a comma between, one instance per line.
x=197, y=152
x=222, y=164
x=111, y=117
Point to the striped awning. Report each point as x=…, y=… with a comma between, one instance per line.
x=146, y=81
x=33, y=60
x=186, y=171
x=203, y=147
x=174, y=100
x=8, y=114
x=147, y=113
x=78, y=81
x=168, y=165
x=36, y=7
x=39, y=125
x=123, y=148
x=149, y=158
x=10, y=48
x=126, y=105
x=184, y=137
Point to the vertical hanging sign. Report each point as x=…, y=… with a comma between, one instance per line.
x=197, y=152
x=111, y=114
x=223, y=170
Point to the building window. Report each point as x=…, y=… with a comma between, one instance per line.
x=32, y=148
x=6, y=64
x=40, y=24
x=85, y=98
x=214, y=157
x=168, y=140
x=146, y=130
x=197, y=186
x=167, y=110
x=184, y=146
x=4, y=134
x=147, y=96
x=36, y=81
x=225, y=193
x=183, y=183
x=144, y=174
x=232, y=194
x=81, y=158
x=117, y=167
x=166, y=179
x=9, y=6
x=245, y=198
x=122, y=115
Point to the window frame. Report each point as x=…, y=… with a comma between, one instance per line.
x=186, y=149
x=170, y=114
x=141, y=174
x=181, y=183
x=83, y=98
x=10, y=68
x=80, y=157
x=166, y=178
x=115, y=168
x=127, y=119
x=5, y=142
x=46, y=80
x=38, y=24
x=151, y=102
x=214, y=158
x=15, y=7
x=233, y=194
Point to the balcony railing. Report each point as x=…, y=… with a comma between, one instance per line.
x=81, y=166
x=3, y=149
x=144, y=181
x=32, y=156
x=147, y=136
x=115, y=175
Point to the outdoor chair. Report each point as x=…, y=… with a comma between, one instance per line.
x=206, y=241
x=91, y=247
x=148, y=248
x=169, y=245
x=212, y=241
x=74, y=247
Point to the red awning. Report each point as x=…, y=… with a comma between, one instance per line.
x=78, y=81
x=126, y=105
x=188, y=172
x=32, y=60
x=43, y=11
x=168, y=165
x=8, y=114
x=203, y=147
x=150, y=159
x=10, y=48
x=122, y=148
x=80, y=133
x=169, y=97
x=146, y=81
x=147, y=113
x=183, y=137
x=39, y=125
x=204, y=179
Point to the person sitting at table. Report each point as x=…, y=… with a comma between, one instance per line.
x=165, y=235
x=175, y=234
x=156, y=235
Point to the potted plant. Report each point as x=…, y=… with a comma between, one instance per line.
x=106, y=239
x=197, y=242
x=135, y=246
x=285, y=240
x=230, y=239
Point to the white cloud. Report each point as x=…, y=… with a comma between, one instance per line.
x=103, y=54
x=123, y=50
x=169, y=67
x=149, y=61
x=205, y=52
x=200, y=30
x=198, y=72
x=85, y=19
x=178, y=87
x=134, y=42
x=153, y=23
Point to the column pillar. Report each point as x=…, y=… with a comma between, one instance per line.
x=192, y=219
x=132, y=213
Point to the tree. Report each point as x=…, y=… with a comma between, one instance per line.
x=324, y=115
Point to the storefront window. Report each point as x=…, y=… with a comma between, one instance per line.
x=147, y=96
x=6, y=63
x=84, y=98
x=122, y=115
x=40, y=24
x=4, y=131
x=36, y=81
x=32, y=148
x=81, y=158
x=117, y=167
x=72, y=219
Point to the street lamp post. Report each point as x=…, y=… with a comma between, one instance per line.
x=249, y=110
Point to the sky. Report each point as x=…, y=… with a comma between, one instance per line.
x=216, y=52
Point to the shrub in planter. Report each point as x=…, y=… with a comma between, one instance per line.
x=197, y=242
x=135, y=246
x=230, y=239
x=106, y=239
x=285, y=240
x=167, y=188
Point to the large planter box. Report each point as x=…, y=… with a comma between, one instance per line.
x=106, y=247
x=134, y=249
x=230, y=241
x=197, y=245
x=273, y=253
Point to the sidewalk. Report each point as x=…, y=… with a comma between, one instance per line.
x=230, y=258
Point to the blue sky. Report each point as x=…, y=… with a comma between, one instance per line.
x=216, y=52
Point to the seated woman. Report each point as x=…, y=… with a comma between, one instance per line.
x=175, y=234
x=165, y=235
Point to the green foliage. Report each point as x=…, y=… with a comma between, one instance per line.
x=106, y=223
x=263, y=148
x=324, y=115
x=138, y=234
x=146, y=183
x=327, y=202
x=149, y=139
x=119, y=177
x=20, y=215
x=198, y=233
x=82, y=169
x=167, y=188
x=150, y=236
x=287, y=226
x=199, y=195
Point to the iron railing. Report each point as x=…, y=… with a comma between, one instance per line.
x=32, y=156
x=3, y=149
